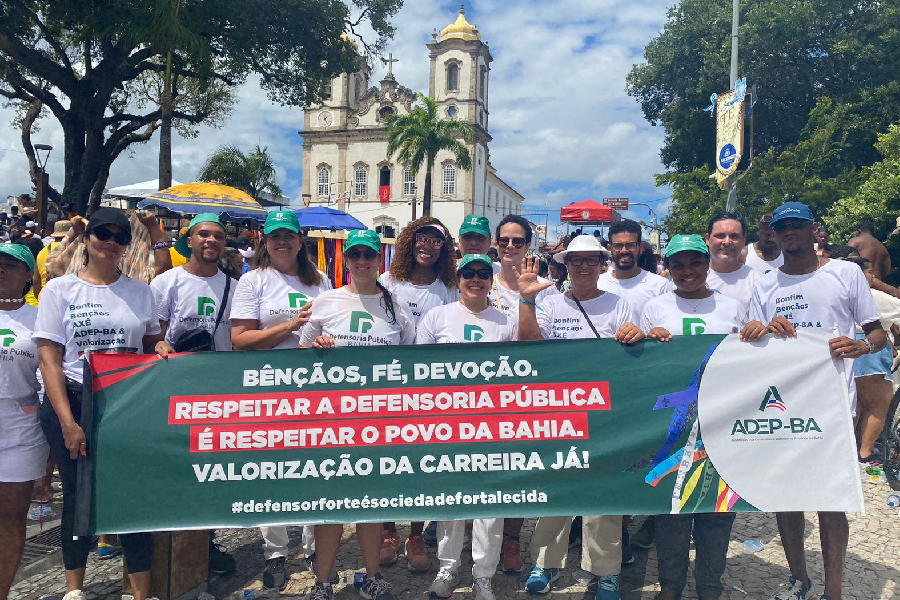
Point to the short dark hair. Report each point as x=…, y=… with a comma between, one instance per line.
x=863, y=263
x=730, y=215
x=839, y=251
x=625, y=226
x=865, y=226
x=521, y=222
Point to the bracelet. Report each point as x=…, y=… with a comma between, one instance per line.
x=524, y=301
x=160, y=245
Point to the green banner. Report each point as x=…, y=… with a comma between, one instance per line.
x=239, y=439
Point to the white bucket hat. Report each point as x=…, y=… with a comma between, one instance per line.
x=581, y=243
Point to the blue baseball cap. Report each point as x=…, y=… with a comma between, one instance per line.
x=792, y=210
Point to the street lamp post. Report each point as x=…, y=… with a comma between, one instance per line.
x=731, y=202
x=42, y=183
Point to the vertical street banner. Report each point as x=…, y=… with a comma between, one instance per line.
x=729, y=135
x=451, y=431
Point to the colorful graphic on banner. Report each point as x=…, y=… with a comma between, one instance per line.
x=384, y=194
x=432, y=432
x=729, y=134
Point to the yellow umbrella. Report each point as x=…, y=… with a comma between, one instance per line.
x=196, y=198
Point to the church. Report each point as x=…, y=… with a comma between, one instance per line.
x=345, y=162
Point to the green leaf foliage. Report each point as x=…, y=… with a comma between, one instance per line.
x=253, y=173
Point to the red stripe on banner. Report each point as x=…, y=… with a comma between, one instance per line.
x=107, y=380
x=102, y=363
x=388, y=402
x=390, y=432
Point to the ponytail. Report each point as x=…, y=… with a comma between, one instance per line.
x=388, y=303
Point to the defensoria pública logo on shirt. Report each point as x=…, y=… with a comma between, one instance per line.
x=472, y=333
x=774, y=428
x=297, y=300
x=693, y=326
x=206, y=307
x=7, y=338
x=361, y=321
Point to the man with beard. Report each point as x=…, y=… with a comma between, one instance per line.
x=726, y=237
x=764, y=254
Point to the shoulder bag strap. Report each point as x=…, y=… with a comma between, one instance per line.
x=587, y=318
x=225, y=301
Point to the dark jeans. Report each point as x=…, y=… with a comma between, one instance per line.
x=673, y=540
x=137, y=547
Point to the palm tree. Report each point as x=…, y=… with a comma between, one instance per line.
x=418, y=136
x=253, y=173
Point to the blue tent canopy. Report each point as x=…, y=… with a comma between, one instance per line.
x=322, y=217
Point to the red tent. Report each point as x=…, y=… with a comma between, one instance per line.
x=588, y=212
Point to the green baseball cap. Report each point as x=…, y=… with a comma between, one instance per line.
x=181, y=246
x=363, y=237
x=475, y=224
x=680, y=243
x=470, y=258
x=20, y=252
x=281, y=219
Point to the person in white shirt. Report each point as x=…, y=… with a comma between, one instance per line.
x=585, y=311
x=764, y=255
x=809, y=291
x=693, y=309
x=23, y=449
x=362, y=313
x=97, y=309
x=471, y=319
x=726, y=236
x=626, y=279
x=269, y=307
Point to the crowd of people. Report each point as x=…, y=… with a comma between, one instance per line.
x=96, y=289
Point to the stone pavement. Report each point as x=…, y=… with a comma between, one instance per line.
x=872, y=570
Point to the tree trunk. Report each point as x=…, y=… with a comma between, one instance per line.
x=426, y=196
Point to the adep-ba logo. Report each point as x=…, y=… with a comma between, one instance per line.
x=773, y=426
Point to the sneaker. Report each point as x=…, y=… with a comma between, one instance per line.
x=794, y=590
x=108, y=551
x=512, y=557
x=575, y=533
x=608, y=588
x=430, y=534
x=312, y=565
x=74, y=595
x=416, y=557
x=220, y=562
x=481, y=588
x=321, y=592
x=540, y=579
x=274, y=577
x=443, y=584
x=646, y=533
x=376, y=588
x=387, y=555
x=871, y=461
x=627, y=554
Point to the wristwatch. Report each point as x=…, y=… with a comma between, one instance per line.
x=160, y=245
x=870, y=344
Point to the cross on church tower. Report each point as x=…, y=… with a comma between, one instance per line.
x=389, y=61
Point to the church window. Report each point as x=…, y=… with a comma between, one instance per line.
x=326, y=90
x=452, y=111
x=409, y=183
x=360, y=182
x=452, y=77
x=449, y=180
x=482, y=77
x=387, y=110
x=324, y=180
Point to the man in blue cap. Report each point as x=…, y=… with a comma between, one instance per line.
x=806, y=293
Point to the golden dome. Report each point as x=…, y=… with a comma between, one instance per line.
x=350, y=40
x=461, y=29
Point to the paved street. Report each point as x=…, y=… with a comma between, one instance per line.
x=872, y=568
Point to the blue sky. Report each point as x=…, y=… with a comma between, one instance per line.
x=564, y=130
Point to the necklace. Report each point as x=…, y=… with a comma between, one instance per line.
x=11, y=300
x=694, y=307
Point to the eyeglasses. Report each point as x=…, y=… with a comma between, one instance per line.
x=481, y=273
x=795, y=225
x=630, y=246
x=577, y=261
x=421, y=238
x=355, y=255
x=122, y=238
x=517, y=242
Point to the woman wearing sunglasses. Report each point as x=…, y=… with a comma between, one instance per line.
x=270, y=305
x=362, y=313
x=97, y=309
x=472, y=319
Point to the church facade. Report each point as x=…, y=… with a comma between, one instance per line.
x=345, y=162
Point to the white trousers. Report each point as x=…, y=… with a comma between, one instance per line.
x=487, y=539
x=275, y=541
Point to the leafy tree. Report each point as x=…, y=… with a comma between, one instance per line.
x=418, y=136
x=253, y=173
x=83, y=60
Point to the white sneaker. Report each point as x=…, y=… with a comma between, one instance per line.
x=481, y=588
x=794, y=590
x=443, y=584
x=74, y=595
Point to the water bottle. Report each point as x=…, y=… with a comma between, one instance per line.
x=358, y=580
x=752, y=546
x=249, y=594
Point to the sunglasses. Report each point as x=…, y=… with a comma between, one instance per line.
x=122, y=238
x=577, y=261
x=471, y=273
x=421, y=238
x=357, y=254
x=517, y=242
x=795, y=225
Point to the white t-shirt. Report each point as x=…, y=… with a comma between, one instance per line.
x=561, y=319
x=99, y=318
x=509, y=299
x=454, y=323
x=356, y=320
x=737, y=284
x=420, y=298
x=637, y=290
x=190, y=302
x=836, y=293
x=272, y=298
x=763, y=266
x=713, y=315
x=18, y=355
